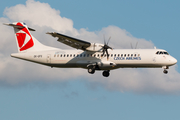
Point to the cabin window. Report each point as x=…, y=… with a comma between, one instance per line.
x=77, y=55
x=58, y=55
x=114, y=55
x=128, y=55
x=111, y=55
x=138, y=55
x=134, y=55
x=84, y=55
x=87, y=55
x=131, y=55
x=105, y=55
x=54, y=55
x=80, y=55
x=98, y=55
x=124, y=55
x=67, y=55
x=94, y=55
x=118, y=55
x=64, y=55
x=70, y=55
x=121, y=55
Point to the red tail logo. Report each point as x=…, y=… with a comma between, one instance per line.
x=25, y=40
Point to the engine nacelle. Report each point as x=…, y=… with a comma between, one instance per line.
x=95, y=47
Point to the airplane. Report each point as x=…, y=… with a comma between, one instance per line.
x=90, y=56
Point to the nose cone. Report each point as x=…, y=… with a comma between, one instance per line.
x=173, y=61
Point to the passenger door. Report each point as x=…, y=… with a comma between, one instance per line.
x=48, y=58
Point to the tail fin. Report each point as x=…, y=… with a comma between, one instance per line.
x=25, y=41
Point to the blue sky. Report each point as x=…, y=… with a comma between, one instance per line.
x=85, y=97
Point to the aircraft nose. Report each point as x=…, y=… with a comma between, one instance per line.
x=173, y=61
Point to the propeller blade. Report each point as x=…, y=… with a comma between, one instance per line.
x=136, y=45
x=106, y=47
x=131, y=46
x=104, y=40
x=108, y=40
x=107, y=54
x=103, y=53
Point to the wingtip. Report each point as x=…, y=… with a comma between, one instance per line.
x=6, y=24
x=31, y=29
x=52, y=33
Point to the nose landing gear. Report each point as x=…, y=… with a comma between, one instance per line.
x=165, y=69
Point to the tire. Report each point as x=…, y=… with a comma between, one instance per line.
x=106, y=73
x=165, y=72
x=91, y=70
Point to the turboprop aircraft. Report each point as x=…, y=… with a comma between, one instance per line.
x=90, y=56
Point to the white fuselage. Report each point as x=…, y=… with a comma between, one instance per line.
x=118, y=58
x=91, y=56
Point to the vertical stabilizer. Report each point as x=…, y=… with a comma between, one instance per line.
x=25, y=41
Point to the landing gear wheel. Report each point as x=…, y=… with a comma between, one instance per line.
x=106, y=73
x=165, y=71
x=91, y=70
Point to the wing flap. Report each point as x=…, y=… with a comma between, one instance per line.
x=73, y=42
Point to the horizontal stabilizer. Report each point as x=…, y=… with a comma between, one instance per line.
x=18, y=26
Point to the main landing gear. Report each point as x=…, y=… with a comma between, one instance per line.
x=91, y=70
x=106, y=73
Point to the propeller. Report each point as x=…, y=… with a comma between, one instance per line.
x=106, y=47
x=135, y=46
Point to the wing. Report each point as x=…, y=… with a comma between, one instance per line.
x=73, y=42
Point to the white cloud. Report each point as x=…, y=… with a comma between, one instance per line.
x=44, y=18
x=40, y=14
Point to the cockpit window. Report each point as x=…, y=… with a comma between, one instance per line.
x=161, y=53
x=157, y=52
x=166, y=53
